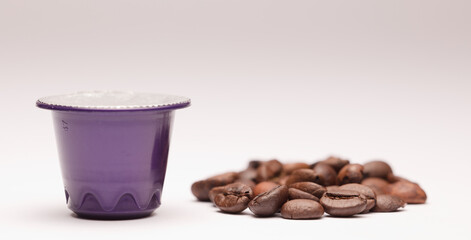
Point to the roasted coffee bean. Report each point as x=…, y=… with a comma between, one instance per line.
x=251, y=171
x=248, y=174
x=388, y=203
x=377, y=169
x=303, y=175
x=343, y=203
x=282, y=180
x=268, y=170
x=268, y=203
x=215, y=191
x=289, y=168
x=393, y=178
x=299, y=194
x=409, y=192
x=201, y=188
x=366, y=191
x=302, y=209
x=378, y=185
x=247, y=182
x=234, y=198
x=351, y=173
x=335, y=162
x=264, y=187
x=310, y=187
x=327, y=175
x=332, y=188
x=254, y=164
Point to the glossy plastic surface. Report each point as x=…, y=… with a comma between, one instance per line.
x=113, y=162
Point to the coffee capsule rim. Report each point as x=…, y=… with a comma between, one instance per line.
x=112, y=101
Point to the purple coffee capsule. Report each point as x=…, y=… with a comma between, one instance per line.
x=113, y=148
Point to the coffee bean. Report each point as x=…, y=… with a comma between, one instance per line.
x=268, y=203
x=289, y=168
x=393, y=178
x=254, y=164
x=378, y=185
x=303, y=175
x=201, y=188
x=310, y=187
x=370, y=203
x=332, y=188
x=327, y=175
x=234, y=198
x=377, y=169
x=366, y=191
x=251, y=171
x=388, y=203
x=215, y=191
x=302, y=209
x=264, y=187
x=282, y=180
x=335, y=162
x=268, y=170
x=298, y=194
x=351, y=173
x=248, y=174
x=343, y=203
x=409, y=192
x=247, y=182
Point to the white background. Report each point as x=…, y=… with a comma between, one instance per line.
x=296, y=80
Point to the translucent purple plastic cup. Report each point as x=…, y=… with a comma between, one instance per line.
x=113, y=149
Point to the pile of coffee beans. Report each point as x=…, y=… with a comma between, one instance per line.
x=305, y=191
